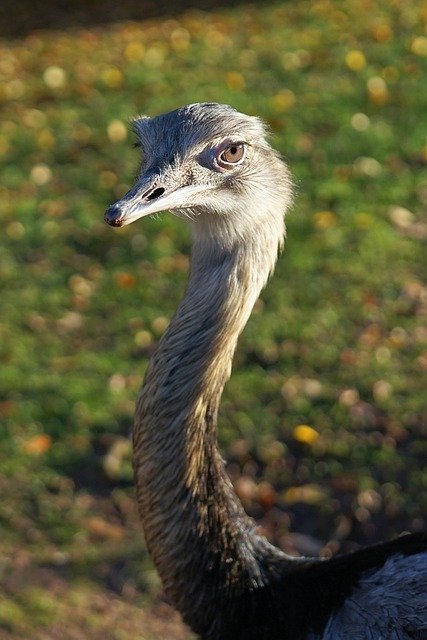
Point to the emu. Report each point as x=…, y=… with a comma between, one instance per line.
x=213, y=166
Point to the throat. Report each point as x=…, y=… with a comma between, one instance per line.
x=200, y=538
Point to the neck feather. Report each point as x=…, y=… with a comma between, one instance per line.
x=201, y=540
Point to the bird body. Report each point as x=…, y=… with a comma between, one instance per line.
x=213, y=166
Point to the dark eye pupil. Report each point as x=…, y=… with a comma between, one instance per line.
x=233, y=151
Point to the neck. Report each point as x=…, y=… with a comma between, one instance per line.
x=202, y=542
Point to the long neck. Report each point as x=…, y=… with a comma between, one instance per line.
x=202, y=542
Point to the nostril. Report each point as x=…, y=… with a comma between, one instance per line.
x=155, y=194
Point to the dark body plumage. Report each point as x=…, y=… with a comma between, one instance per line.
x=213, y=166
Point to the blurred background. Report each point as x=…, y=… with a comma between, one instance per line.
x=323, y=422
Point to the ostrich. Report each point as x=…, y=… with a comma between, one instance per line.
x=213, y=166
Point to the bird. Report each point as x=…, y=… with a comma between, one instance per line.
x=213, y=166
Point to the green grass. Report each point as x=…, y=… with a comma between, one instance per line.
x=338, y=341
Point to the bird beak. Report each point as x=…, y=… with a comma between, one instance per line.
x=150, y=197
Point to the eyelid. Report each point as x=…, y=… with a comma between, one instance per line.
x=232, y=143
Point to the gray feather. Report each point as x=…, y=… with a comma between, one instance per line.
x=389, y=604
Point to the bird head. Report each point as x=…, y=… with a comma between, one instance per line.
x=201, y=160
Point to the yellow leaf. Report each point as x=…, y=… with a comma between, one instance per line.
x=308, y=493
x=235, y=80
x=382, y=33
x=117, y=131
x=112, y=77
x=377, y=90
x=40, y=174
x=55, y=77
x=283, y=100
x=305, y=434
x=134, y=51
x=325, y=219
x=355, y=60
x=419, y=46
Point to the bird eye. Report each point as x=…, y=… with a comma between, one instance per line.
x=232, y=154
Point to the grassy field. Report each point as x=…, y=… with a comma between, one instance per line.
x=324, y=419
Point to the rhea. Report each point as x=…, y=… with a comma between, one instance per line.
x=213, y=166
